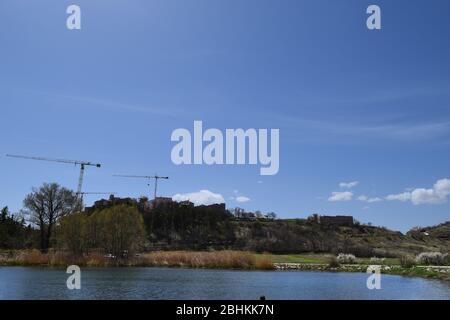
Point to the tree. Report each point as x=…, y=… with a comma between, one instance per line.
x=238, y=212
x=271, y=215
x=13, y=233
x=73, y=233
x=120, y=229
x=4, y=214
x=46, y=206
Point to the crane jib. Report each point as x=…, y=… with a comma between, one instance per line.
x=82, y=164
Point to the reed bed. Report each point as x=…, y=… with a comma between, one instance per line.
x=226, y=259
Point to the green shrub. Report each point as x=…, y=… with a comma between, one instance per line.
x=407, y=261
x=333, y=262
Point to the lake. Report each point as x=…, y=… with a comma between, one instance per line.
x=169, y=283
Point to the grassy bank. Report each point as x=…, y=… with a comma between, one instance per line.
x=431, y=272
x=316, y=258
x=226, y=259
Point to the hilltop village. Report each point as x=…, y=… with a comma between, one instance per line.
x=181, y=225
x=117, y=225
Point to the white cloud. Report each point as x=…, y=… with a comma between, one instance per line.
x=348, y=185
x=369, y=200
x=362, y=198
x=436, y=195
x=204, y=197
x=405, y=196
x=442, y=187
x=426, y=196
x=242, y=199
x=341, y=196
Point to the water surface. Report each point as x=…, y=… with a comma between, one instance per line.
x=169, y=283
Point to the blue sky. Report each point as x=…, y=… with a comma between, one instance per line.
x=351, y=104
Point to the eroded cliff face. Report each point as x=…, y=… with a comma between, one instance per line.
x=288, y=236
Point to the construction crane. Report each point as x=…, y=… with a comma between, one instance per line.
x=82, y=165
x=156, y=177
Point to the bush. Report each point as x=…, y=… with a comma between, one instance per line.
x=346, y=258
x=361, y=251
x=333, y=262
x=432, y=258
x=407, y=262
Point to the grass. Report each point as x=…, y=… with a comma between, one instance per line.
x=226, y=259
x=387, y=261
x=420, y=271
x=321, y=262
x=316, y=258
x=297, y=258
x=35, y=257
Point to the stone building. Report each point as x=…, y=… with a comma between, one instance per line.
x=346, y=221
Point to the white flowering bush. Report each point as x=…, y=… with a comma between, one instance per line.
x=432, y=258
x=346, y=258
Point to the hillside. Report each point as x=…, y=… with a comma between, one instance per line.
x=441, y=232
x=288, y=236
x=182, y=226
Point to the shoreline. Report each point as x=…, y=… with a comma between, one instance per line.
x=441, y=273
x=427, y=272
x=224, y=260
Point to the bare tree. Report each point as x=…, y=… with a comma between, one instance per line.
x=46, y=206
x=271, y=215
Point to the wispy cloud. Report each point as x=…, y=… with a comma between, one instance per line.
x=120, y=106
x=344, y=130
x=340, y=196
x=107, y=104
x=348, y=185
x=367, y=199
x=242, y=199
